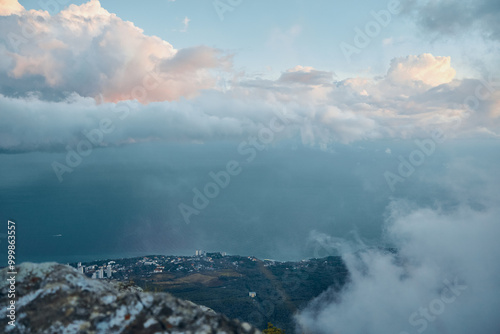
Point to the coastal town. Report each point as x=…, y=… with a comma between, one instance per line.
x=126, y=269
x=242, y=287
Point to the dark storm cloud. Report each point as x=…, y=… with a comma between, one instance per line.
x=453, y=17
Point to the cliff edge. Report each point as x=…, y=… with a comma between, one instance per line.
x=55, y=298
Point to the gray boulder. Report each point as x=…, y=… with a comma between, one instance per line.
x=55, y=298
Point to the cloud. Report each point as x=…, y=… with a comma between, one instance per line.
x=426, y=68
x=445, y=267
x=306, y=75
x=89, y=51
x=185, y=24
x=10, y=7
x=284, y=39
x=453, y=18
x=86, y=52
x=388, y=41
x=321, y=113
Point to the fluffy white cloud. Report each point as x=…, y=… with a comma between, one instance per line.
x=445, y=271
x=426, y=68
x=87, y=50
x=320, y=113
x=10, y=7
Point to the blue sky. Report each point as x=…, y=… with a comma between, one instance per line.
x=268, y=38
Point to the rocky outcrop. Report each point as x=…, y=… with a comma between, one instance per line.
x=55, y=298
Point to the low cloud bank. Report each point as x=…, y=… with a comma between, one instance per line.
x=444, y=279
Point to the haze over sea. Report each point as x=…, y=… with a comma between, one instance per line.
x=123, y=202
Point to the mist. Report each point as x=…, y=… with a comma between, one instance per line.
x=125, y=200
x=443, y=277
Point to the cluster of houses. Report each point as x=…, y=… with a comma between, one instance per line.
x=200, y=261
x=149, y=265
x=95, y=271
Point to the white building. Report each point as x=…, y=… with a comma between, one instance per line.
x=252, y=294
x=100, y=273
x=108, y=271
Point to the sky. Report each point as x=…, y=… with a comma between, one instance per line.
x=284, y=130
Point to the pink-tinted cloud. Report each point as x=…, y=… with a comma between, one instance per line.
x=87, y=50
x=10, y=7
x=320, y=114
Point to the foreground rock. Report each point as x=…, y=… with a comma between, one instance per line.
x=54, y=298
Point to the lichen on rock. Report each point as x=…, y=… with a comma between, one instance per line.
x=55, y=298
